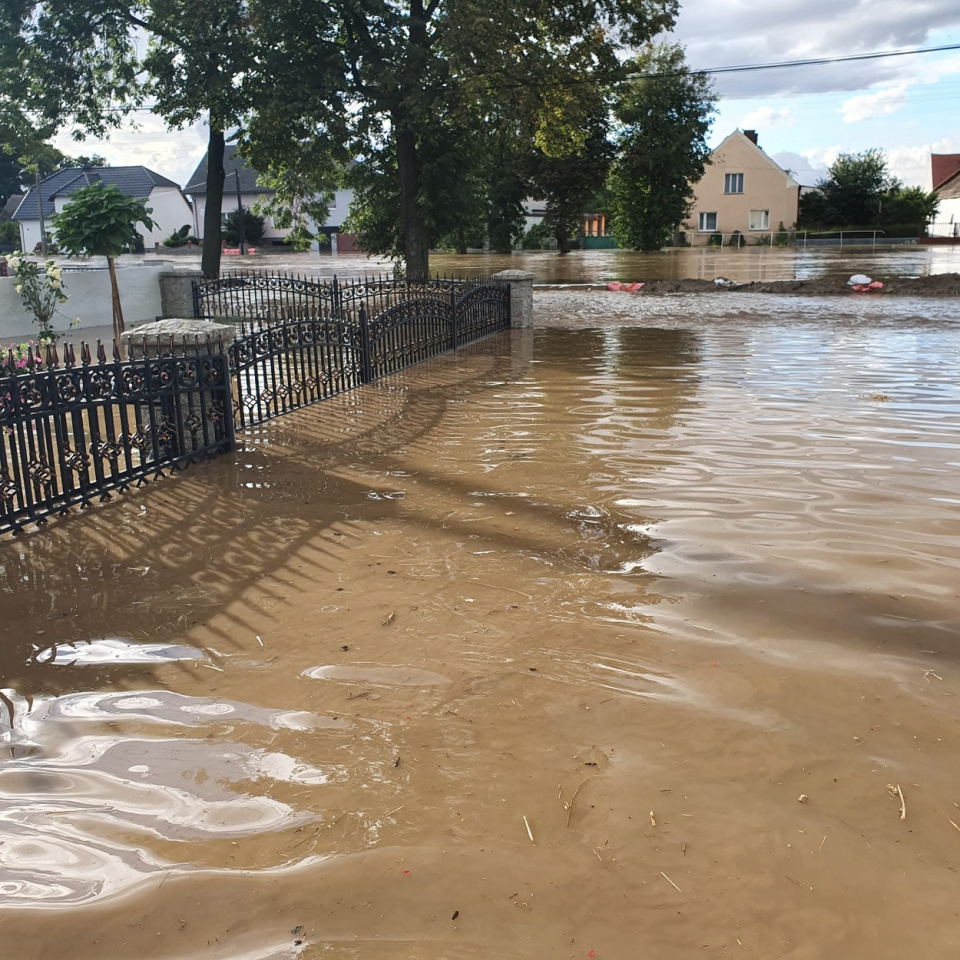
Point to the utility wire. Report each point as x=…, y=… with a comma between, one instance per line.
x=816, y=61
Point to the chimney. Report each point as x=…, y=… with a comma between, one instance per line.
x=751, y=135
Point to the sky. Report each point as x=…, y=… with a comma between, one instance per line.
x=907, y=106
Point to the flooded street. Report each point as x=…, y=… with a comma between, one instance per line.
x=634, y=635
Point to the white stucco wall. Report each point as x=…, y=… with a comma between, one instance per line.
x=170, y=212
x=88, y=294
x=948, y=219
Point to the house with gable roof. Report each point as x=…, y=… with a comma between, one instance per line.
x=241, y=186
x=945, y=182
x=170, y=210
x=742, y=191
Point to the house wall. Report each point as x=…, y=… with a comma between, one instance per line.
x=765, y=187
x=170, y=212
x=88, y=292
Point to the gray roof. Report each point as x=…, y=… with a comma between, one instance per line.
x=10, y=207
x=133, y=181
x=232, y=164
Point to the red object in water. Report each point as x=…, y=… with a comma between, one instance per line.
x=614, y=286
x=631, y=287
x=876, y=285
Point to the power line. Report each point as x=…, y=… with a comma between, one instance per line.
x=811, y=62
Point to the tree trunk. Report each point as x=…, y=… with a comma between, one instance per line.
x=416, y=246
x=210, y=262
x=115, y=302
x=563, y=240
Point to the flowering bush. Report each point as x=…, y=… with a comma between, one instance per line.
x=41, y=290
x=20, y=352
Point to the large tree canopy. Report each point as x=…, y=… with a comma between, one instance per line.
x=413, y=96
x=407, y=87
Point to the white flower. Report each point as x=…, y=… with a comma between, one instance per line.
x=18, y=287
x=14, y=263
x=55, y=284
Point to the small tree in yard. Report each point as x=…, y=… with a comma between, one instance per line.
x=102, y=221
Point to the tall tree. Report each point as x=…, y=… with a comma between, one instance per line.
x=571, y=165
x=664, y=115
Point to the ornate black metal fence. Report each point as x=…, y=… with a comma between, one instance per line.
x=302, y=340
x=75, y=431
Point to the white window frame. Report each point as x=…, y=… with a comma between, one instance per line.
x=702, y=221
x=733, y=183
x=764, y=223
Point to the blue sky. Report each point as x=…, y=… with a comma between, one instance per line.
x=907, y=106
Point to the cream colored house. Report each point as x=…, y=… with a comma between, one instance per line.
x=742, y=190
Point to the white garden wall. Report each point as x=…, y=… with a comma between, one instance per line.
x=88, y=291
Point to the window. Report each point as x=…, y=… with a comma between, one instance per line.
x=733, y=183
x=759, y=219
x=708, y=221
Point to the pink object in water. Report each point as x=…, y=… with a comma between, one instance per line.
x=632, y=287
x=613, y=286
x=876, y=285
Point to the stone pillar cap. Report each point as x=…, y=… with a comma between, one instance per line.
x=176, y=330
x=513, y=275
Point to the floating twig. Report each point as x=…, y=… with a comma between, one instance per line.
x=895, y=788
x=653, y=819
x=526, y=823
x=390, y=617
x=955, y=827
x=672, y=884
x=259, y=640
x=569, y=806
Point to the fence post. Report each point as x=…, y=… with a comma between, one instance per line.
x=178, y=337
x=177, y=293
x=521, y=296
x=454, y=332
x=366, y=359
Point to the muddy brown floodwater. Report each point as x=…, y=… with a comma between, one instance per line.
x=621, y=638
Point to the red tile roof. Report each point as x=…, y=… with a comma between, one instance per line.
x=943, y=166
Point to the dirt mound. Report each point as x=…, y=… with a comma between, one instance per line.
x=942, y=285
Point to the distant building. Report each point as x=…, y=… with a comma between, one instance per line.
x=742, y=191
x=242, y=178
x=945, y=182
x=170, y=210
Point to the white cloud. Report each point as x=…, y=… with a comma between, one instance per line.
x=766, y=117
x=171, y=154
x=866, y=106
x=758, y=31
x=912, y=164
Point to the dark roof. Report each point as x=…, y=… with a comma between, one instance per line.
x=10, y=207
x=134, y=181
x=232, y=164
x=943, y=166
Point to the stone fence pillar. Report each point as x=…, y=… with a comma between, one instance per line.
x=197, y=412
x=521, y=296
x=176, y=292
